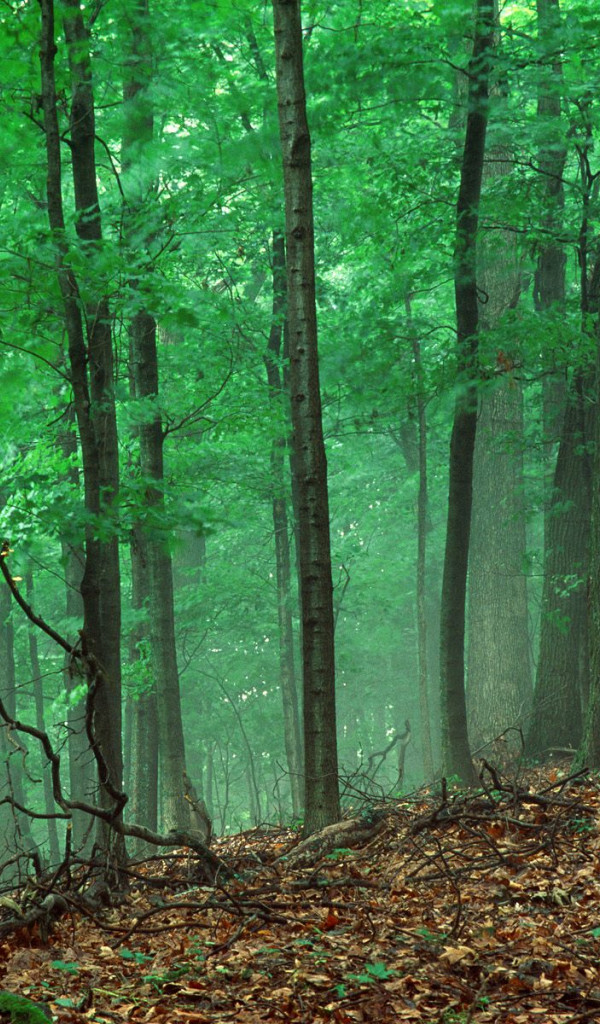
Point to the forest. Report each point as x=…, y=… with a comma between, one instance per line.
x=299, y=502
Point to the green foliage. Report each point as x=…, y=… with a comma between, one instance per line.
x=173, y=974
x=22, y=1010
x=373, y=972
x=134, y=955
x=195, y=250
x=434, y=939
x=68, y=966
x=583, y=826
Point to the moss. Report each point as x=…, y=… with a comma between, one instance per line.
x=22, y=1010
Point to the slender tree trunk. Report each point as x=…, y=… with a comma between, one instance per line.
x=499, y=689
x=9, y=834
x=422, y=529
x=557, y=712
x=17, y=839
x=138, y=133
x=590, y=748
x=82, y=780
x=209, y=788
x=322, y=804
x=91, y=364
x=549, y=290
x=287, y=668
x=455, y=743
x=563, y=683
x=38, y=695
x=142, y=704
x=82, y=775
x=101, y=579
x=276, y=358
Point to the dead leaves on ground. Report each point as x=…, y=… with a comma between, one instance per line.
x=489, y=912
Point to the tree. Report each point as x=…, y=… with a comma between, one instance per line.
x=562, y=682
x=183, y=266
x=499, y=688
x=322, y=806
x=38, y=690
x=457, y=757
x=87, y=321
x=589, y=753
x=152, y=550
x=422, y=530
x=16, y=838
x=277, y=392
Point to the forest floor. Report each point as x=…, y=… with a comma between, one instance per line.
x=475, y=908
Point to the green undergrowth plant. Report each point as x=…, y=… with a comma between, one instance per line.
x=22, y=1010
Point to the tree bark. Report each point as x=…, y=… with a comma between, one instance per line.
x=38, y=695
x=550, y=272
x=499, y=683
x=422, y=529
x=563, y=675
x=590, y=748
x=16, y=838
x=91, y=364
x=322, y=805
x=142, y=705
x=81, y=758
x=138, y=133
x=455, y=743
x=287, y=668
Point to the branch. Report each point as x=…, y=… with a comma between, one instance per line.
x=91, y=671
x=37, y=621
x=403, y=738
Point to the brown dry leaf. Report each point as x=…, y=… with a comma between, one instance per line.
x=452, y=954
x=528, y=948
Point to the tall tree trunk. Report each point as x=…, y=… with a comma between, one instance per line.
x=138, y=133
x=287, y=668
x=562, y=684
x=322, y=804
x=499, y=683
x=9, y=845
x=278, y=382
x=91, y=364
x=549, y=288
x=81, y=758
x=455, y=742
x=38, y=695
x=422, y=529
x=590, y=747
x=16, y=840
x=557, y=712
x=142, y=704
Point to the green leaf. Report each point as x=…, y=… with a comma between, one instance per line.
x=65, y=965
x=22, y=1010
x=132, y=954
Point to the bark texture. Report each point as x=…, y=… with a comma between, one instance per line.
x=287, y=667
x=142, y=751
x=455, y=743
x=563, y=676
x=499, y=683
x=38, y=694
x=557, y=718
x=87, y=321
x=590, y=749
x=81, y=759
x=422, y=530
x=322, y=806
x=153, y=540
